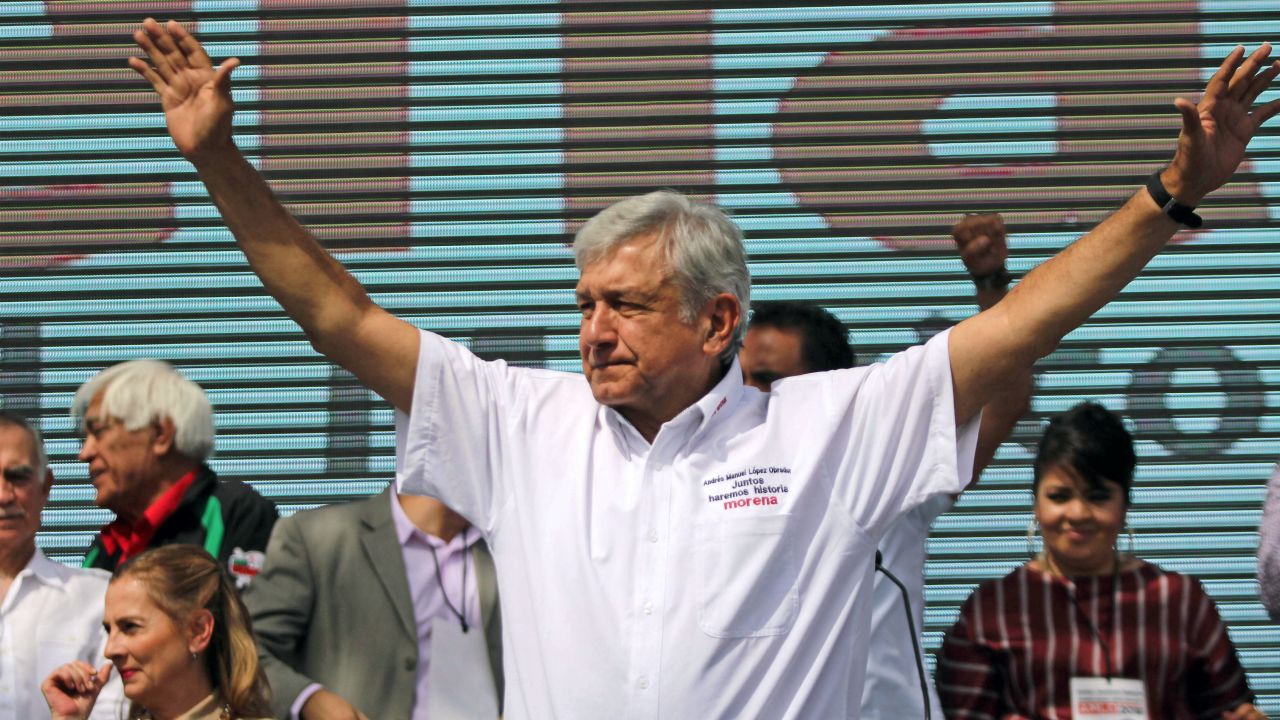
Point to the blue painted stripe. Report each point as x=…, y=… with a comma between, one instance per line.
x=514, y=66
x=487, y=20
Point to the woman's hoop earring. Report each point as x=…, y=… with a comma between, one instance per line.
x=1129, y=532
x=1033, y=530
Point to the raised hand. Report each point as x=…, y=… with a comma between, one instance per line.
x=72, y=689
x=980, y=238
x=1216, y=130
x=195, y=96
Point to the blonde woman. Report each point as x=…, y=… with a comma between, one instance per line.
x=179, y=637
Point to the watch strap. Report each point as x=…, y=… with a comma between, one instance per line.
x=1175, y=210
x=997, y=280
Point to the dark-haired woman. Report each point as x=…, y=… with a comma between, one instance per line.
x=179, y=636
x=1082, y=618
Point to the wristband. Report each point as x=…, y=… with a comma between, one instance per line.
x=997, y=280
x=1175, y=210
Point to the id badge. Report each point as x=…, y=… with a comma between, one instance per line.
x=1095, y=698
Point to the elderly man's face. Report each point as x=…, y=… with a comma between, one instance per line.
x=123, y=463
x=23, y=489
x=639, y=355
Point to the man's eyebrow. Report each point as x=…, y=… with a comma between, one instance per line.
x=629, y=293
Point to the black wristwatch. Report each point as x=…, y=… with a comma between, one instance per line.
x=997, y=280
x=1175, y=210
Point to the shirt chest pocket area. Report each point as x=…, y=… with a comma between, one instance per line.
x=747, y=577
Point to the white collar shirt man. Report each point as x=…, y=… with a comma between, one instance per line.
x=724, y=570
x=892, y=688
x=52, y=615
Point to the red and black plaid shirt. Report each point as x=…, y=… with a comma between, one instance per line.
x=1019, y=640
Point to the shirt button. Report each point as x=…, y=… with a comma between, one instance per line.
x=653, y=536
x=410, y=664
x=648, y=608
x=644, y=683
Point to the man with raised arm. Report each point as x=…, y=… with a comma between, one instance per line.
x=668, y=544
x=786, y=339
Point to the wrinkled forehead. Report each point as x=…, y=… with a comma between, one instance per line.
x=640, y=261
x=18, y=441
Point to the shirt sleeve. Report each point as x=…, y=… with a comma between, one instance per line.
x=970, y=680
x=295, y=710
x=1269, y=548
x=453, y=445
x=1215, y=679
x=900, y=442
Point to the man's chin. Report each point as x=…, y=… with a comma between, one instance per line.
x=611, y=393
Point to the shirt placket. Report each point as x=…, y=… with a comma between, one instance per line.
x=653, y=524
x=8, y=651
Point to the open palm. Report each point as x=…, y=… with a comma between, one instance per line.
x=195, y=96
x=1216, y=131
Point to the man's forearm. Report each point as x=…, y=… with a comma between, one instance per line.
x=1054, y=299
x=1058, y=296
x=330, y=305
x=314, y=289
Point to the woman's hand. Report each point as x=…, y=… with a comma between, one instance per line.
x=72, y=689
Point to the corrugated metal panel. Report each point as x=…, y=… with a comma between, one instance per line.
x=447, y=150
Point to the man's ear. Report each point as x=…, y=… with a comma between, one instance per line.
x=200, y=626
x=165, y=432
x=724, y=314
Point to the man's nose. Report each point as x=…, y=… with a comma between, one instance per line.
x=88, y=448
x=599, y=327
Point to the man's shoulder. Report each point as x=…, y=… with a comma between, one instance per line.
x=335, y=518
x=234, y=490
x=78, y=580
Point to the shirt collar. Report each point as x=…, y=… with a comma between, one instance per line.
x=719, y=403
x=43, y=569
x=124, y=535
x=709, y=409
x=405, y=529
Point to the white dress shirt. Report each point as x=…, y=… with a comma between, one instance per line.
x=723, y=571
x=51, y=615
x=892, y=689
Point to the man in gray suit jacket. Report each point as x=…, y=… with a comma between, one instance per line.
x=334, y=614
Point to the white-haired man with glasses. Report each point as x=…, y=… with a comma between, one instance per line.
x=147, y=432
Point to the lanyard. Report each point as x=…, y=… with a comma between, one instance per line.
x=462, y=601
x=1088, y=619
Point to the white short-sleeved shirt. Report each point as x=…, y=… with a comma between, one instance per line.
x=892, y=688
x=723, y=571
x=51, y=616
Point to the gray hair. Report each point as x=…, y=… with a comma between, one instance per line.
x=8, y=418
x=701, y=245
x=141, y=392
